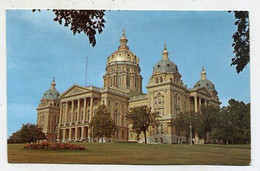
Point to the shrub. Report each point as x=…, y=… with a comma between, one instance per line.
x=54, y=146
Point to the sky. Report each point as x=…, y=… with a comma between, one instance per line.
x=39, y=49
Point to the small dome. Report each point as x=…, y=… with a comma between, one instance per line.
x=165, y=65
x=52, y=93
x=204, y=82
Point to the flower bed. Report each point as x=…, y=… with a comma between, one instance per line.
x=54, y=146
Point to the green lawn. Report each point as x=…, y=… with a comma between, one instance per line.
x=130, y=153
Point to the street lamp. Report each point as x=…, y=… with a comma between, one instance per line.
x=190, y=135
x=92, y=134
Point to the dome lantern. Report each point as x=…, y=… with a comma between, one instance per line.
x=203, y=73
x=123, y=41
x=53, y=84
x=165, y=53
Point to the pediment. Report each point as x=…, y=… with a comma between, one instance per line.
x=75, y=89
x=204, y=91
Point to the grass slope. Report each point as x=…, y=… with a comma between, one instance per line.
x=127, y=153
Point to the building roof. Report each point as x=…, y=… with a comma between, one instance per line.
x=204, y=82
x=165, y=65
x=123, y=54
x=52, y=93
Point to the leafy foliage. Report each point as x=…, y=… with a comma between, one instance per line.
x=241, y=41
x=27, y=134
x=87, y=21
x=103, y=125
x=183, y=121
x=207, y=120
x=233, y=124
x=230, y=123
x=141, y=118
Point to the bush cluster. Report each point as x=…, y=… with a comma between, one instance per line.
x=54, y=146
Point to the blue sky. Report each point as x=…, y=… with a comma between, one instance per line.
x=39, y=48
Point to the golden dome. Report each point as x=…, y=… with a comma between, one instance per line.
x=123, y=54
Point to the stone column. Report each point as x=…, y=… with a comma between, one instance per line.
x=199, y=104
x=82, y=133
x=84, y=111
x=91, y=108
x=66, y=113
x=72, y=112
x=64, y=135
x=76, y=133
x=78, y=115
x=61, y=111
x=195, y=104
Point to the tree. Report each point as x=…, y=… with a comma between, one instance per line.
x=183, y=121
x=233, y=123
x=103, y=125
x=223, y=126
x=241, y=41
x=28, y=133
x=141, y=118
x=239, y=114
x=87, y=21
x=207, y=118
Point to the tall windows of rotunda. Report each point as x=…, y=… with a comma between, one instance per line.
x=119, y=81
x=133, y=81
x=128, y=81
x=114, y=81
x=115, y=117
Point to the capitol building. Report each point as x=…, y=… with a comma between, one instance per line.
x=65, y=117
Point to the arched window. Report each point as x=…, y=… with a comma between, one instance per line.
x=134, y=81
x=157, y=80
x=128, y=81
x=116, y=117
x=119, y=81
x=161, y=140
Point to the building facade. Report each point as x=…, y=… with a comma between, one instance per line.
x=66, y=117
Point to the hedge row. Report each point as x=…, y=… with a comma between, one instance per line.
x=54, y=146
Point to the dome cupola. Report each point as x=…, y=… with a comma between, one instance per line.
x=52, y=93
x=204, y=82
x=165, y=65
x=123, y=70
x=123, y=54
